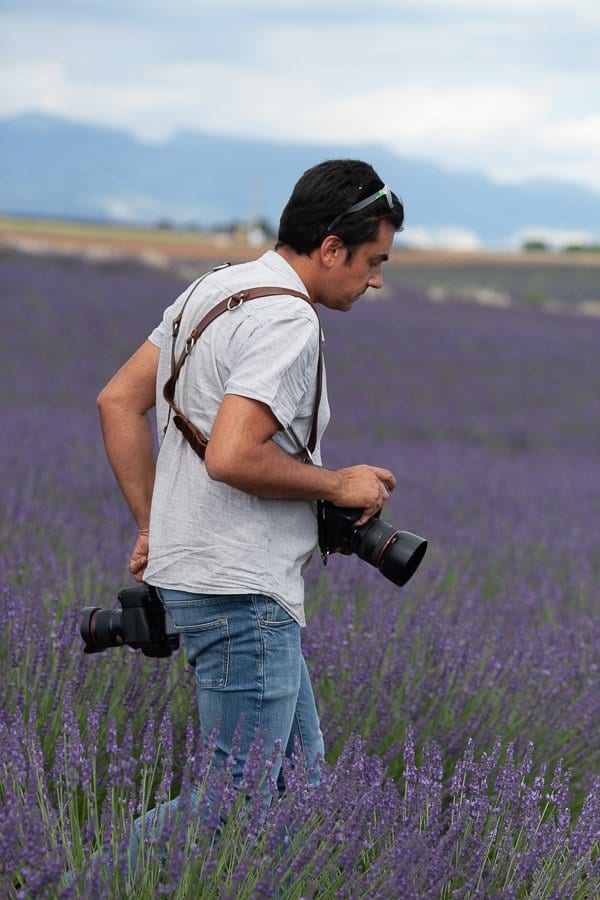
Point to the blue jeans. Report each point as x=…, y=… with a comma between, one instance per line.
x=249, y=669
x=245, y=650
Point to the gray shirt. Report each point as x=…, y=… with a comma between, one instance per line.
x=206, y=536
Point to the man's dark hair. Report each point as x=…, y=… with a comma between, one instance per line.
x=323, y=195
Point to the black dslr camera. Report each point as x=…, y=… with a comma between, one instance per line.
x=397, y=554
x=141, y=623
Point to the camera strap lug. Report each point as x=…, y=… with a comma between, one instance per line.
x=321, y=532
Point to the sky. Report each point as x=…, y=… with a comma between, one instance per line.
x=510, y=89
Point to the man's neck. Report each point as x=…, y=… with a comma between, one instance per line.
x=303, y=266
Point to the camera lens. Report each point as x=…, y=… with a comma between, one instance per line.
x=397, y=554
x=101, y=628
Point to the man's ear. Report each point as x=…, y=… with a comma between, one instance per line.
x=332, y=249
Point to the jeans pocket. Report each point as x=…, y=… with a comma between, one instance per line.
x=207, y=650
x=275, y=616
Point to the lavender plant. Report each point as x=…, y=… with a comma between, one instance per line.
x=461, y=713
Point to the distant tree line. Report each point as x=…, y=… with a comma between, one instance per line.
x=541, y=246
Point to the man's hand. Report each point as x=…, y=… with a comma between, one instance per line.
x=363, y=487
x=139, y=557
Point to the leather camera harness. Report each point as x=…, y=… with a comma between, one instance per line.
x=193, y=436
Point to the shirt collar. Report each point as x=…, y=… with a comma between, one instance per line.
x=278, y=264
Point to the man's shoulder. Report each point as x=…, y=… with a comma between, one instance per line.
x=271, y=312
x=269, y=270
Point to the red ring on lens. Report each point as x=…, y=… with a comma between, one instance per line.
x=386, y=545
x=91, y=627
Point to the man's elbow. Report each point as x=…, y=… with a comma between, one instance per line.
x=219, y=465
x=106, y=398
x=227, y=465
x=112, y=402
x=102, y=399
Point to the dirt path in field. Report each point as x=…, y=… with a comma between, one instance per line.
x=100, y=243
x=169, y=248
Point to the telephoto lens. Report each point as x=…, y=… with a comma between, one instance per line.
x=397, y=554
x=140, y=623
x=101, y=628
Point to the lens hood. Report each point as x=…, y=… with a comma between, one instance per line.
x=401, y=557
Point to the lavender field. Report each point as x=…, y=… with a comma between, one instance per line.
x=461, y=714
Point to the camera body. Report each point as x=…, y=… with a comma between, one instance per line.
x=397, y=554
x=141, y=623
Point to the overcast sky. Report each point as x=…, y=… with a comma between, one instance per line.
x=510, y=89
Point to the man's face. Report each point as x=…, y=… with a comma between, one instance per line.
x=344, y=282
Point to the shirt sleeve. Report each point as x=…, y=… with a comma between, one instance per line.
x=275, y=361
x=158, y=335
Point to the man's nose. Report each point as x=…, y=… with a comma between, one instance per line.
x=376, y=281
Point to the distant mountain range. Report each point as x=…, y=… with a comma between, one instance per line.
x=53, y=167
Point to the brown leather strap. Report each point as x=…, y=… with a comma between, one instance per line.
x=194, y=437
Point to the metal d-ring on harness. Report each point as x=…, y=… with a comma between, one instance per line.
x=238, y=298
x=189, y=431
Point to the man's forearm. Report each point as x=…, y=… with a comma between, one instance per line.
x=268, y=471
x=130, y=450
x=123, y=405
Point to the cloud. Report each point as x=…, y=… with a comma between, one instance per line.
x=41, y=85
x=575, y=134
x=158, y=100
x=510, y=91
x=412, y=116
x=448, y=238
x=568, y=149
x=502, y=130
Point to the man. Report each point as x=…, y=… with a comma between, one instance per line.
x=225, y=540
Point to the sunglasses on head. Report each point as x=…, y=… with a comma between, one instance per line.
x=382, y=192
